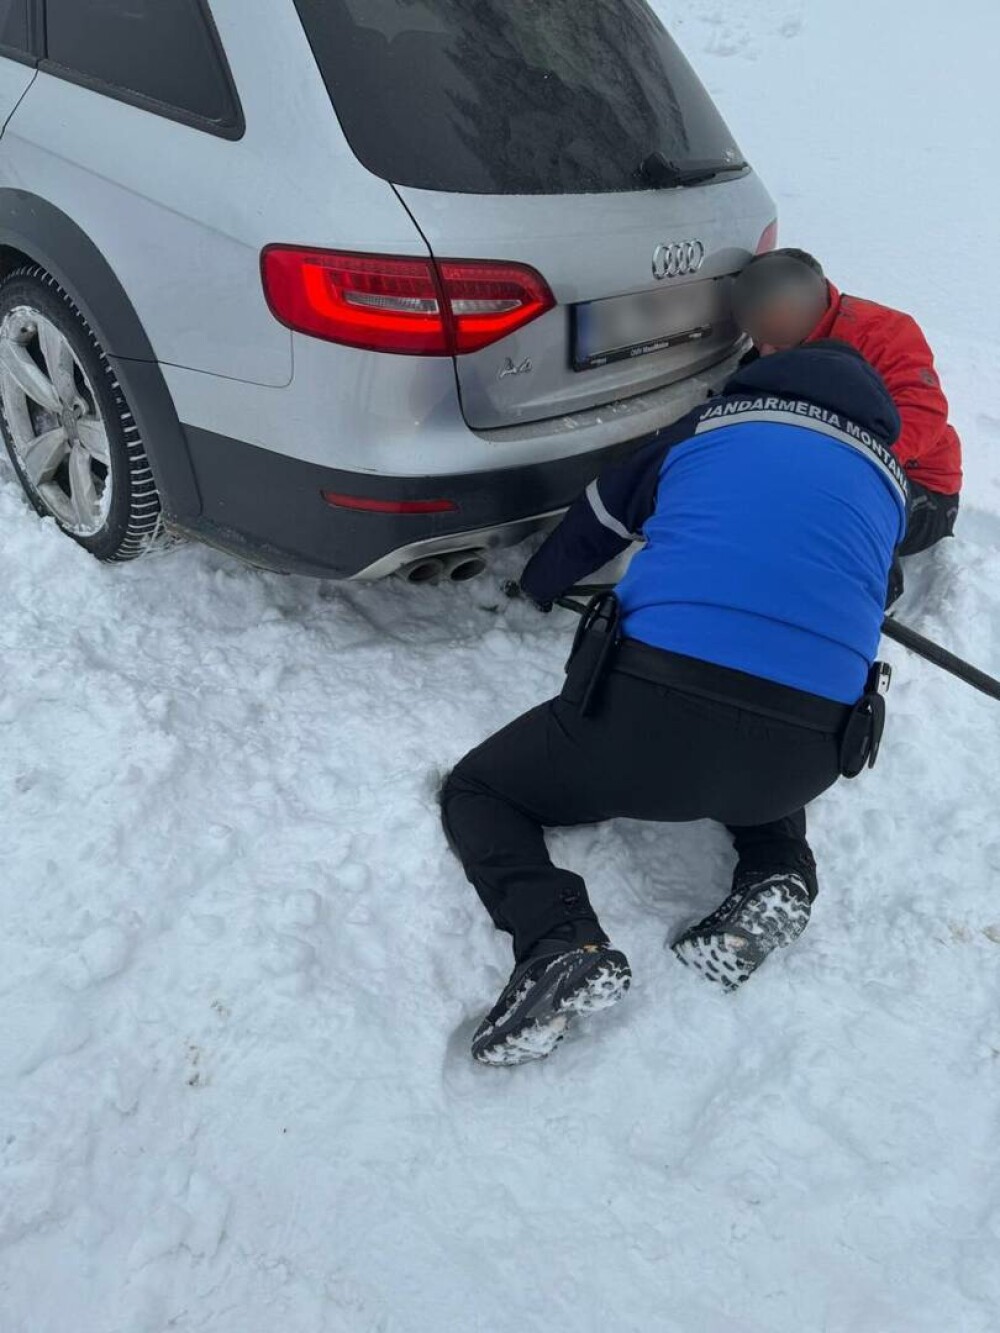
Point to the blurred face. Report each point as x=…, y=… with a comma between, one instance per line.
x=782, y=323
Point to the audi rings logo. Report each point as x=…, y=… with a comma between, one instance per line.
x=673, y=261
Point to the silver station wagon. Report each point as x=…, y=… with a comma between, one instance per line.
x=353, y=287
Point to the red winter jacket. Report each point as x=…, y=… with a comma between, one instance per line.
x=928, y=447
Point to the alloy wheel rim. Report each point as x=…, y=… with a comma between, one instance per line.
x=55, y=423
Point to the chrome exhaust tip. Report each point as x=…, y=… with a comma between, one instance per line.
x=428, y=570
x=457, y=566
x=464, y=565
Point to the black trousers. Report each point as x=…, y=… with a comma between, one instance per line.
x=651, y=751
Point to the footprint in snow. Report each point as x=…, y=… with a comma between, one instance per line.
x=104, y=954
x=194, y=1220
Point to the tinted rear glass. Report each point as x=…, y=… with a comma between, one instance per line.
x=14, y=24
x=164, y=50
x=512, y=96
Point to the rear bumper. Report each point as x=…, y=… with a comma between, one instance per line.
x=267, y=506
x=269, y=509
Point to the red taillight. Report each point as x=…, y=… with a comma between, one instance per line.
x=487, y=301
x=411, y=306
x=768, y=238
x=340, y=501
x=382, y=304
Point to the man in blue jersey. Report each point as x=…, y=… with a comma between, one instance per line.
x=731, y=679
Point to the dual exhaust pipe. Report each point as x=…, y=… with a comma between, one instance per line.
x=456, y=566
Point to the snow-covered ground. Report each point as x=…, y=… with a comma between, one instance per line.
x=239, y=970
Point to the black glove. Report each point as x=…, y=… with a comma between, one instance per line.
x=511, y=588
x=896, y=583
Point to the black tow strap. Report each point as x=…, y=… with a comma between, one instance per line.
x=941, y=657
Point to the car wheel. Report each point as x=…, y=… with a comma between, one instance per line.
x=70, y=434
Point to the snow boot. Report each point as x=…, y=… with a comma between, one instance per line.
x=557, y=981
x=765, y=911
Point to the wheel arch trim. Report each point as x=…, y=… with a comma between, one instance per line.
x=43, y=234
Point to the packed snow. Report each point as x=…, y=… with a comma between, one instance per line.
x=239, y=970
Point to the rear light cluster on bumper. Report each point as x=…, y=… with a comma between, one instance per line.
x=385, y=303
x=367, y=505
x=768, y=238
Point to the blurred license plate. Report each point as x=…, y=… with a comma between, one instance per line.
x=625, y=327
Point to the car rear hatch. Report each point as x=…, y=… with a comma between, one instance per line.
x=572, y=138
x=617, y=330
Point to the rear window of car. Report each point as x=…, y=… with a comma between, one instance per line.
x=512, y=96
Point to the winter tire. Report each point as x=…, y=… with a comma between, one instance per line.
x=69, y=431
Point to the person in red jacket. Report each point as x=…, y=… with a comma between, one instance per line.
x=783, y=299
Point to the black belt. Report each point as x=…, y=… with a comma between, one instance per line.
x=738, y=689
